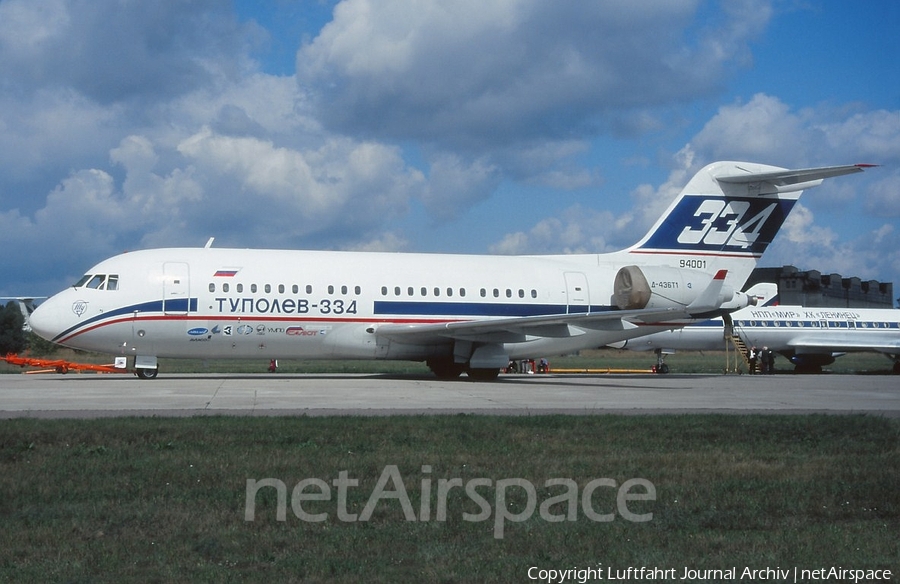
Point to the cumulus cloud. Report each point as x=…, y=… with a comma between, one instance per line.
x=765, y=129
x=806, y=245
x=482, y=74
x=127, y=126
x=762, y=129
x=110, y=52
x=576, y=230
x=455, y=185
x=283, y=195
x=883, y=199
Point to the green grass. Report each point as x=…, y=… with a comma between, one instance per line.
x=163, y=500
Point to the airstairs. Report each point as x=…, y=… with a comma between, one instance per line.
x=736, y=350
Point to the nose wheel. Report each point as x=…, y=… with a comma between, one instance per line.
x=144, y=373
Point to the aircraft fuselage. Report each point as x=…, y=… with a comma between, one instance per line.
x=319, y=304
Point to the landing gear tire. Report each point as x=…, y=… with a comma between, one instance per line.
x=661, y=367
x=147, y=373
x=445, y=368
x=483, y=374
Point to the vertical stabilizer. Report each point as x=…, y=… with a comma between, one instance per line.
x=727, y=215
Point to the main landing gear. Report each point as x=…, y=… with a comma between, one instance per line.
x=660, y=366
x=447, y=369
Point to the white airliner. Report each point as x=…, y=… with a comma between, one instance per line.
x=458, y=313
x=808, y=337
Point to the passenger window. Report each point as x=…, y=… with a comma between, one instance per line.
x=268, y=288
x=331, y=289
x=343, y=289
x=357, y=289
x=240, y=288
x=212, y=287
x=281, y=288
x=309, y=288
x=295, y=289
x=253, y=288
x=225, y=287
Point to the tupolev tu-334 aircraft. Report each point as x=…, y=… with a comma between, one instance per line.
x=458, y=313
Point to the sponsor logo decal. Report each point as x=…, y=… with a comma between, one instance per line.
x=299, y=331
x=198, y=331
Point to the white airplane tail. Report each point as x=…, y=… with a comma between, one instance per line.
x=726, y=217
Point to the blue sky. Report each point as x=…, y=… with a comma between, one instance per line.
x=514, y=126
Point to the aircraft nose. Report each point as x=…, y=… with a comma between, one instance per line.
x=45, y=321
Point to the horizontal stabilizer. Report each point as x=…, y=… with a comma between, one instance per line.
x=785, y=178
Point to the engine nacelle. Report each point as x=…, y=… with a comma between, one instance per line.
x=665, y=287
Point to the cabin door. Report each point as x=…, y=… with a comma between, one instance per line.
x=176, y=288
x=577, y=294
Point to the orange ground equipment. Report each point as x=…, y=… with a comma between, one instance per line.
x=60, y=365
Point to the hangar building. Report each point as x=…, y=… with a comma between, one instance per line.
x=812, y=288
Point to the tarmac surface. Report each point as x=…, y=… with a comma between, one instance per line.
x=93, y=395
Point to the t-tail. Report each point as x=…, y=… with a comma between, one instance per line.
x=726, y=217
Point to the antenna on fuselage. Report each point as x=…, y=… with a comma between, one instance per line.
x=209, y=243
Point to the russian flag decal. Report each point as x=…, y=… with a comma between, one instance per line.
x=225, y=273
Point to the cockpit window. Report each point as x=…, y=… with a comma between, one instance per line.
x=99, y=282
x=96, y=282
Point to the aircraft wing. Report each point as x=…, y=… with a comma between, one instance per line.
x=518, y=329
x=524, y=328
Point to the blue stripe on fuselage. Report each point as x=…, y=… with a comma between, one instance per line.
x=172, y=305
